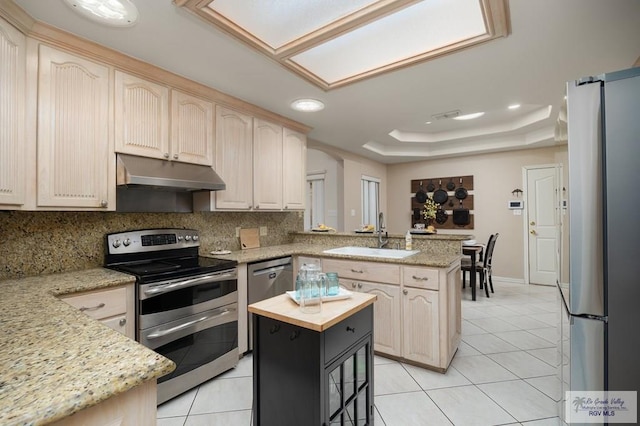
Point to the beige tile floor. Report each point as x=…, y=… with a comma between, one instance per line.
x=503, y=373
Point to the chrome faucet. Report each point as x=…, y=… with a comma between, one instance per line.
x=382, y=242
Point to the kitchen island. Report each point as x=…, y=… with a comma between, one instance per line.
x=313, y=368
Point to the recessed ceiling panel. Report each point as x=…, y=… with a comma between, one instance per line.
x=278, y=22
x=332, y=43
x=415, y=30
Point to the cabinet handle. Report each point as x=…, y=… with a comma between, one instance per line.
x=356, y=271
x=353, y=285
x=274, y=329
x=294, y=335
x=359, y=285
x=122, y=322
x=166, y=155
x=420, y=278
x=351, y=329
x=405, y=292
x=104, y=203
x=92, y=308
x=175, y=156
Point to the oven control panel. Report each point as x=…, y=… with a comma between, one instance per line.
x=141, y=241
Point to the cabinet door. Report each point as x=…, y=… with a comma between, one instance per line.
x=191, y=129
x=294, y=161
x=267, y=162
x=12, y=116
x=74, y=164
x=420, y=319
x=234, y=159
x=141, y=117
x=387, y=316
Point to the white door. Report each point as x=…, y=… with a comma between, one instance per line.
x=542, y=189
x=314, y=214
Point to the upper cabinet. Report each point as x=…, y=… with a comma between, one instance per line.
x=191, y=129
x=294, y=162
x=75, y=168
x=262, y=163
x=141, y=117
x=12, y=116
x=267, y=165
x=146, y=126
x=234, y=161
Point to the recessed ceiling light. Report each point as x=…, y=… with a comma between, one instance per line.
x=115, y=13
x=514, y=106
x=307, y=105
x=427, y=122
x=469, y=116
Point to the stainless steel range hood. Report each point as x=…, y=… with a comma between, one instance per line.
x=151, y=173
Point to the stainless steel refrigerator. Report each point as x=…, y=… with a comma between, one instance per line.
x=600, y=332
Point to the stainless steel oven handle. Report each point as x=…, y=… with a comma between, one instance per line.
x=190, y=282
x=187, y=324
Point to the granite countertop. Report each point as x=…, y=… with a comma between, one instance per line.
x=282, y=308
x=423, y=258
x=55, y=360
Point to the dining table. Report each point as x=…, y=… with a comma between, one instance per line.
x=472, y=251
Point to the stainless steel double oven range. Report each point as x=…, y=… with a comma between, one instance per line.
x=186, y=305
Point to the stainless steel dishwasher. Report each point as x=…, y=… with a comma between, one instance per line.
x=267, y=279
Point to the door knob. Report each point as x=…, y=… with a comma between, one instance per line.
x=532, y=223
x=532, y=232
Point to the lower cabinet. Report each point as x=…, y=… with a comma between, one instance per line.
x=114, y=307
x=417, y=315
x=137, y=406
x=305, y=377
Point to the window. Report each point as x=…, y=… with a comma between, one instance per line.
x=314, y=214
x=370, y=200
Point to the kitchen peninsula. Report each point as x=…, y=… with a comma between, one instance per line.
x=417, y=316
x=313, y=368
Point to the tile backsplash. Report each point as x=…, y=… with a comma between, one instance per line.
x=34, y=243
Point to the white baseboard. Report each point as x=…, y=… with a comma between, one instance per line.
x=507, y=280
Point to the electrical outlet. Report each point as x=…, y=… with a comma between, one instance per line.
x=237, y=232
x=263, y=231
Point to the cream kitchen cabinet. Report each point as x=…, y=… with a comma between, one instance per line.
x=383, y=280
x=432, y=315
x=294, y=160
x=114, y=307
x=386, y=311
x=137, y=406
x=192, y=122
x=234, y=161
x=75, y=168
x=262, y=164
x=417, y=316
x=141, y=117
x=13, y=145
x=148, y=126
x=267, y=165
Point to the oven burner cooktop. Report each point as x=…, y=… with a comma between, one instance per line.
x=160, y=255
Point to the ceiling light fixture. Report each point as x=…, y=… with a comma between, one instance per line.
x=307, y=105
x=514, y=106
x=469, y=116
x=115, y=13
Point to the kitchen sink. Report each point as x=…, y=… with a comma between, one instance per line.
x=372, y=252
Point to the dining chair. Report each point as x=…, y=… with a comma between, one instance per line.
x=483, y=266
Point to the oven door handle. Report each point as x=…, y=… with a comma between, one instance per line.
x=188, y=324
x=163, y=288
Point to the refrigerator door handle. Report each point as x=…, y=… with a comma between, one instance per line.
x=572, y=315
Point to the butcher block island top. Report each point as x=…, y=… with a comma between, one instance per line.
x=282, y=308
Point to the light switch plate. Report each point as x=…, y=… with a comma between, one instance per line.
x=263, y=231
